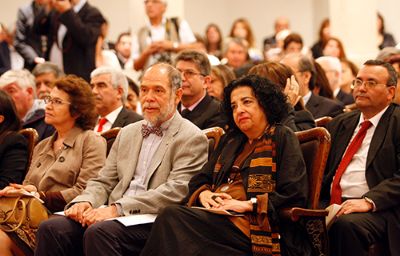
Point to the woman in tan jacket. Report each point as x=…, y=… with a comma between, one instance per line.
x=62, y=163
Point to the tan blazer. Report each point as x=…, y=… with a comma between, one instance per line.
x=83, y=155
x=181, y=154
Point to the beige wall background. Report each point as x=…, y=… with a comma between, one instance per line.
x=305, y=15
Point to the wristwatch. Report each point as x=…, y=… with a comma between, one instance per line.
x=254, y=202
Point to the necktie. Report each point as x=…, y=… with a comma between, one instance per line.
x=102, y=121
x=336, y=192
x=146, y=130
x=185, y=112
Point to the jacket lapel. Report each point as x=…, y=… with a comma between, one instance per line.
x=379, y=135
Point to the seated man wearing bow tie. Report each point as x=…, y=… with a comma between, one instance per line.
x=148, y=168
x=363, y=168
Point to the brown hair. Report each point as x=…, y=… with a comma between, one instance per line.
x=292, y=38
x=342, y=54
x=250, y=36
x=274, y=71
x=82, y=100
x=223, y=73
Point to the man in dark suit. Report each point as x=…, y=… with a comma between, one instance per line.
x=305, y=74
x=365, y=179
x=333, y=71
x=72, y=29
x=196, y=105
x=110, y=87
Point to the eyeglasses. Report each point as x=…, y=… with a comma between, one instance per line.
x=368, y=84
x=189, y=73
x=55, y=101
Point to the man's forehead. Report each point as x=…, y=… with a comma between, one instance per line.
x=371, y=71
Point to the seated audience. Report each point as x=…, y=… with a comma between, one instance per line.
x=305, y=73
x=62, y=163
x=13, y=146
x=349, y=73
x=45, y=74
x=148, y=168
x=298, y=118
x=110, y=88
x=241, y=28
x=196, y=105
x=236, y=56
x=257, y=170
x=221, y=76
x=214, y=40
x=385, y=39
x=132, y=101
x=362, y=171
x=293, y=43
x=281, y=23
x=323, y=35
x=333, y=47
x=123, y=48
x=333, y=71
x=20, y=85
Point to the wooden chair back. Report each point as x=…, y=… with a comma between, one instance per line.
x=315, y=144
x=323, y=121
x=214, y=135
x=110, y=137
x=32, y=136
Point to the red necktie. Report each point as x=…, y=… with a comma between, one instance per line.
x=102, y=121
x=336, y=192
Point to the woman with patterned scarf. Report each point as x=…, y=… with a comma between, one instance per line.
x=256, y=170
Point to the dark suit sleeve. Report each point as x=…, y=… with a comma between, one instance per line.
x=84, y=32
x=21, y=33
x=13, y=160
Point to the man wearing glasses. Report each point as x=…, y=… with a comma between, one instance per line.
x=160, y=38
x=196, y=105
x=363, y=168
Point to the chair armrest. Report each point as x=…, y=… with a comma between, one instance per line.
x=295, y=213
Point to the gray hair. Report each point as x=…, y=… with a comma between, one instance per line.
x=118, y=79
x=23, y=78
x=174, y=76
x=47, y=67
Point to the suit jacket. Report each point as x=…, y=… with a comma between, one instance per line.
x=13, y=159
x=78, y=46
x=5, y=59
x=206, y=114
x=181, y=154
x=126, y=117
x=345, y=98
x=303, y=120
x=37, y=122
x=383, y=164
x=82, y=156
x=28, y=41
x=320, y=106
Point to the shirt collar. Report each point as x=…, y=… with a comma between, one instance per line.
x=79, y=6
x=375, y=119
x=162, y=24
x=193, y=105
x=307, y=97
x=112, y=116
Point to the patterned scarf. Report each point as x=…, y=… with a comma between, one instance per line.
x=261, y=180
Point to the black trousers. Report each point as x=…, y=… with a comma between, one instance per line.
x=182, y=231
x=62, y=236
x=352, y=234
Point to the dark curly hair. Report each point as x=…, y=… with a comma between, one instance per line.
x=269, y=96
x=81, y=98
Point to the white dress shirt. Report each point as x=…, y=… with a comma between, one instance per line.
x=111, y=117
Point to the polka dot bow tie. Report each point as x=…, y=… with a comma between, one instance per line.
x=147, y=130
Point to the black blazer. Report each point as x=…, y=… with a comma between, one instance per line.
x=83, y=29
x=320, y=106
x=382, y=168
x=345, y=98
x=13, y=159
x=206, y=114
x=126, y=117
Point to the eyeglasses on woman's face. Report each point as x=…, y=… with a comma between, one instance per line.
x=55, y=101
